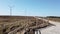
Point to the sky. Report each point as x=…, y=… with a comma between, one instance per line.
x=30, y=7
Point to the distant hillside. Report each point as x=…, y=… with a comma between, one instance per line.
x=53, y=18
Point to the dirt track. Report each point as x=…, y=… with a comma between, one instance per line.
x=52, y=29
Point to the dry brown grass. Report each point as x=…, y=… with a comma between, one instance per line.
x=9, y=23
x=54, y=19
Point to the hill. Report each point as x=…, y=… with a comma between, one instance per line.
x=9, y=23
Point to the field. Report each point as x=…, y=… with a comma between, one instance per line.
x=54, y=18
x=9, y=23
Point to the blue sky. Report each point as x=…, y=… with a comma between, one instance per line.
x=30, y=7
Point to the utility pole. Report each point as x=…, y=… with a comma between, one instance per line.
x=10, y=10
x=10, y=7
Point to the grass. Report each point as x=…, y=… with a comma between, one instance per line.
x=54, y=19
x=9, y=23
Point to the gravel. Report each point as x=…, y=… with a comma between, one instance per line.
x=52, y=29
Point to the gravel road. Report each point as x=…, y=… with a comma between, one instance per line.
x=52, y=29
